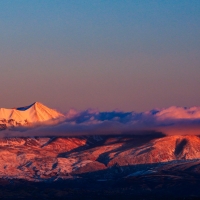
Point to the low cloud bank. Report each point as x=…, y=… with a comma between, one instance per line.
x=170, y=121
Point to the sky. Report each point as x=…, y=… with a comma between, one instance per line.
x=128, y=55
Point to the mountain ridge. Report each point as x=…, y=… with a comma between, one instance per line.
x=34, y=113
x=41, y=159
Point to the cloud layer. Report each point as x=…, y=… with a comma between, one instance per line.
x=173, y=120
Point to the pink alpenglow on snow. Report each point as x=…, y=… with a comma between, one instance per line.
x=35, y=113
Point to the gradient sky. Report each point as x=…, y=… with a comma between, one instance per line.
x=117, y=54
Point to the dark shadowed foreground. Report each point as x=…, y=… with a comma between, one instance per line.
x=179, y=180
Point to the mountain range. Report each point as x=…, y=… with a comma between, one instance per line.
x=38, y=159
x=151, y=157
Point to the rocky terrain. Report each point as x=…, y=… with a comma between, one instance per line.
x=100, y=167
x=53, y=158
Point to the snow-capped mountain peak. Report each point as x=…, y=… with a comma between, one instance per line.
x=36, y=112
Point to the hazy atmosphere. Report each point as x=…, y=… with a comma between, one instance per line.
x=126, y=55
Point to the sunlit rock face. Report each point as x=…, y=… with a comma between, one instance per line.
x=36, y=158
x=40, y=159
x=28, y=115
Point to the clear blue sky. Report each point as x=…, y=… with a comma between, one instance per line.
x=106, y=54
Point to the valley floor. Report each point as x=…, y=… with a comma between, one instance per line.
x=137, y=188
x=170, y=181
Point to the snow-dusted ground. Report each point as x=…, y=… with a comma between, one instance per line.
x=39, y=159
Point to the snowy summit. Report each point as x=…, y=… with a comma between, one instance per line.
x=36, y=112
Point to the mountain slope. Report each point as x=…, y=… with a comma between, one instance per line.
x=40, y=159
x=34, y=113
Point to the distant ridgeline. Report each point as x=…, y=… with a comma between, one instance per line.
x=25, y=116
